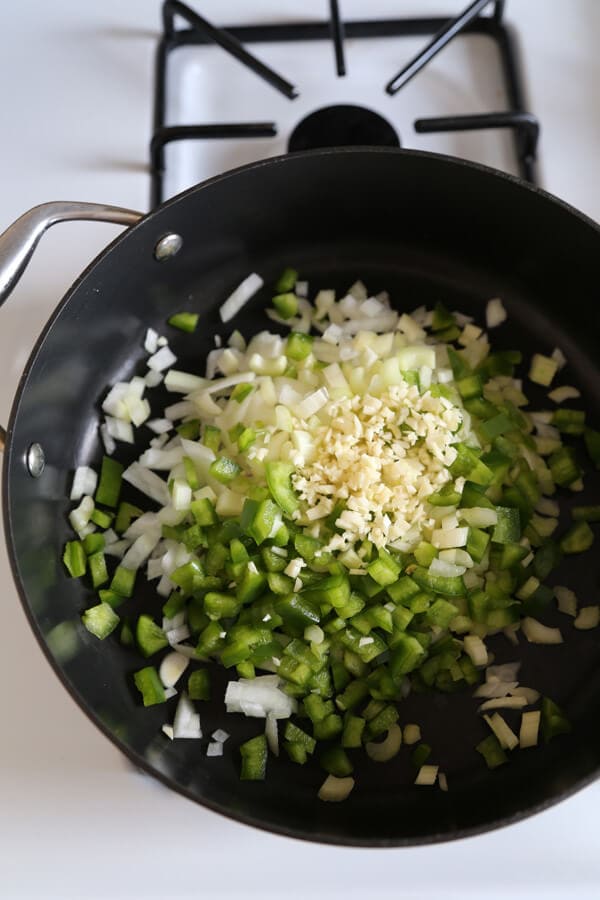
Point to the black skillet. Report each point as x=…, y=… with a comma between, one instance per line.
x=425, y=228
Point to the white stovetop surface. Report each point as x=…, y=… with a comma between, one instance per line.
x=75, y=820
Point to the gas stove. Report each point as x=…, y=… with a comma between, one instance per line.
x=224, y=97
x=76, y=821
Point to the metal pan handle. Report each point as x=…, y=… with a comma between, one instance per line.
x=20, y=239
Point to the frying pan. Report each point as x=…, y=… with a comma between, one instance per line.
x=423, y=227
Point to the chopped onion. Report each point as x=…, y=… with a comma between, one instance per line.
x=504, y=672
x=503, y=703
x=587, y=617
x=119, y=430
x=560, y=394
x=446, y=538
x=220, y=735
x=272, y=734
x=495, y=688
x=117, y=548
x=140, y=550
x=530, y=724
x=412, y=734
x=566, y=600
x=80, y=516
x=176, y=635
x=152, y=378
x=172, y=668
x=530, y=694
x=382, y=751
x=445, y=569
x=183, y=382
x=559, y=357
x=240, y=296
x=151, y=341
x=259, y=696
x=506, y=736
x=536, y=633
x=148, y=483
x=162, y=359
x=159, y=426
x=442, y=781
x=334, y=790
x=164, y=460
x=479, y=516
x=84, y=482
x=427, y=775
x=475, y=650
x=214, y=749
x=168, y=730
x=109, y=443
x=187, y=720
x=495, y=313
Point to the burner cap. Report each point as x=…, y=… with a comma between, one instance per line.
x=342, y=126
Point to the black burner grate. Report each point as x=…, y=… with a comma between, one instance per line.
x=441, y=30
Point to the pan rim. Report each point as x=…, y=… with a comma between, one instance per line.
x=9, y=454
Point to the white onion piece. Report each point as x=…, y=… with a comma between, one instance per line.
x=479, y=516
x=152, y=378
x=536, y=633
x=164, y=586
x=240, y=296
x=183, y=382
x=504, y=672
x=530, y=694
x=109, y=442
x=162, y=359
x=334, y=790
x=119, y=430
x=495, y=313
x=141, y=525
x=530, y=725
x=117, y=548
x=442, y=781
x=503, y=703
x=110, y=537
x=272, y=734
x=159, y=426
x=445, y=569
x=220, y=735
x=148, y=483
x=566, y=599
x=427, y=775
x=412, y=734
x=214, y=749
x=140, y=550
x=180, y=410
x=174, y=622
x=475, y=650
x=506, y=736
x=80, y=516
x=587, y=617
x=164, y=460
x=559, y=357
x=259, y=696
x=187, y=721
x=84, y=482
x=312, y=403
x=382, y=751
x=151, y=341
x=168, y=730
x=177, y=635
x=446, y=538
x=495, y=688
x=172, y=668
x=170, y=692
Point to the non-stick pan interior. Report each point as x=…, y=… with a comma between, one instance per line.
x=425, y=229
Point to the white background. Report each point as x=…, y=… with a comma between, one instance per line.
x=75, y=820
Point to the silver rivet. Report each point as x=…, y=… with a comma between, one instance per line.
x=168, y=246
x=36, y=460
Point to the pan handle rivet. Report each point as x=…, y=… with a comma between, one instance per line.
x=168, y=246
x=36, y=460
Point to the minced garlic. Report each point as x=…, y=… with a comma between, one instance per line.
x=381, y=457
